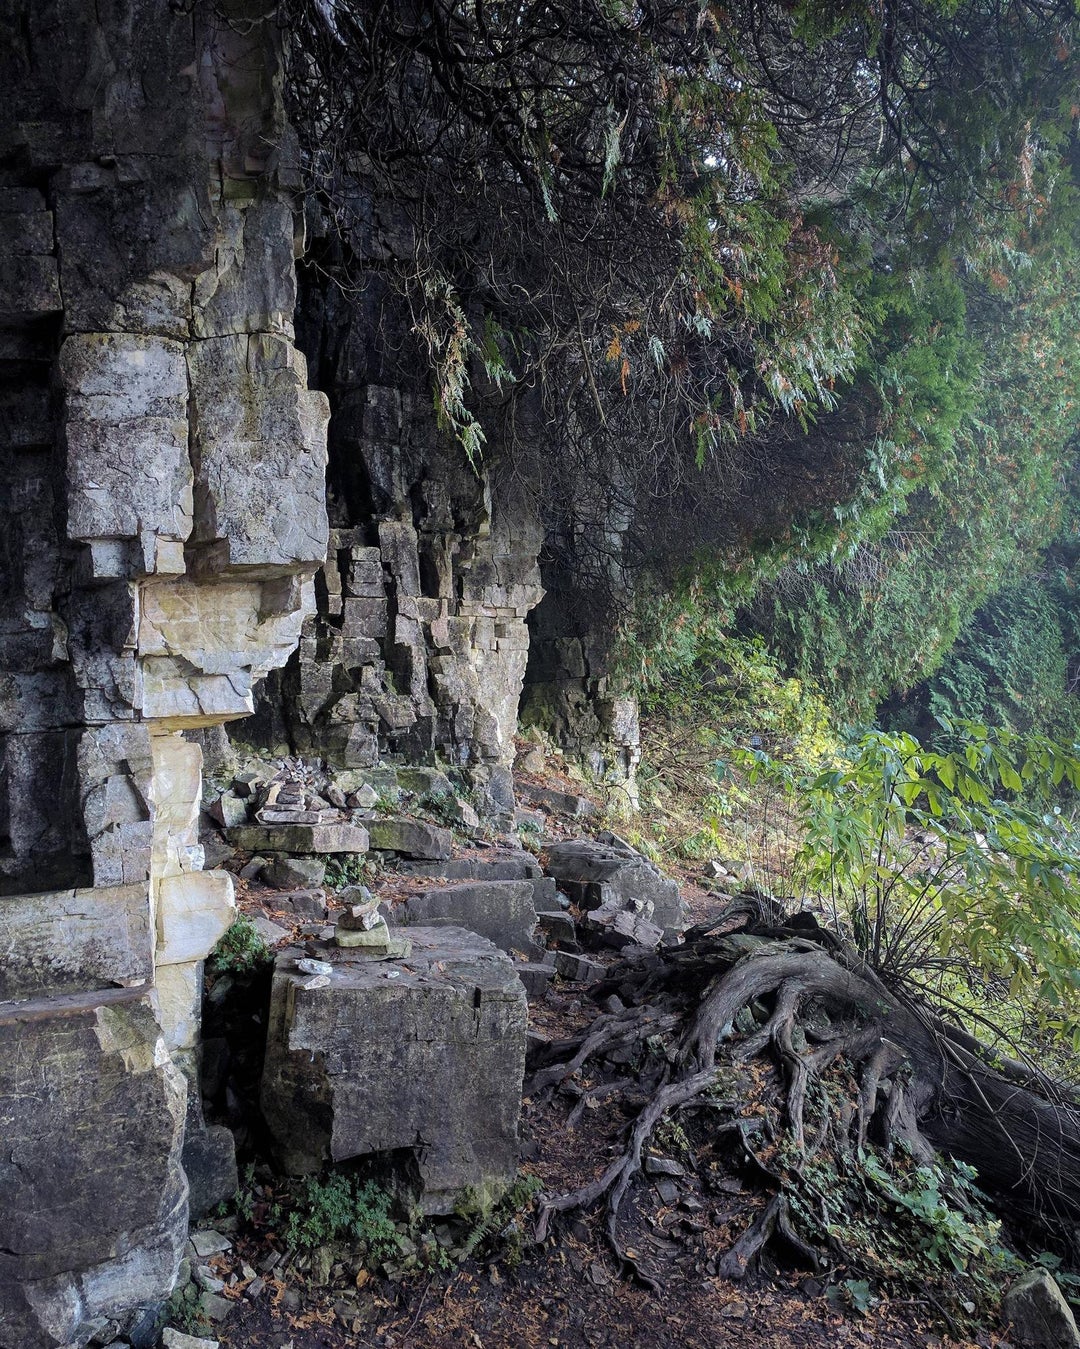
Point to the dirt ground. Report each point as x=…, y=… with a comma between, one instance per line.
x=568, y=1292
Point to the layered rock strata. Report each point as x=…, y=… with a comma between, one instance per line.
x=420, y=643
x=162, y=515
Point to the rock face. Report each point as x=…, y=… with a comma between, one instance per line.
x=92, y=1195
x=426, y=1057
x=162, y=512
x=420, y=642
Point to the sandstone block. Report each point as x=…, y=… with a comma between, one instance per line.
x=303, y=838
x=412, y=838
x=501, y=911
x=194, y=911
x=178, y=996
x=202, y=647
x=430, y=1061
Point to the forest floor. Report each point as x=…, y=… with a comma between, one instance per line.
x=567, y=1292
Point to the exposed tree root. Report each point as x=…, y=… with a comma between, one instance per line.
x=796, y=1000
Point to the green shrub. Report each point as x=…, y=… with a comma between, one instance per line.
x=240, y=950
x=342, y=1208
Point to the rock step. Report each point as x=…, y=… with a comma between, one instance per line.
x=301, y=838
x=502, y=911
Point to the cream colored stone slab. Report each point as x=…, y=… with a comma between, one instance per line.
x=178, y=699
x=177, y=792
x=69, y=940
x=193, y=913
x=203, y=647
x=178, y=994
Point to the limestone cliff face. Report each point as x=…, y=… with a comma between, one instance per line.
x=168, y=563
x=419, y=646
x=162, y=514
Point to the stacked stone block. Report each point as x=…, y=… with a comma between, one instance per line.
x=162, y=514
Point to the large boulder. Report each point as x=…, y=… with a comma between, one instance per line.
x=426, y=1055
x=93, y=1200
x=1038, y=1315
x=594, y=872
x=502, y=911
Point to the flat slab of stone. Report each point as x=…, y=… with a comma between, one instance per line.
x=411, y=838
x=305, y=838
x=65, y=941
x=502, y=911
x=93, y=1201
x=593, y=871
x=425, y=1054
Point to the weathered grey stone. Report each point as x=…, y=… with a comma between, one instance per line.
x=176, y=1339
x=209, y=1160
x=268, y=930
x=229, y=810
x=294, y=873
x=74, y=940
x=261, y=451
x=501, y=911
x=207, y=1241
x=617, y=923
x=88, y=1095
x=578, y=969
x=557, y=925
x=1037, y=1314
x=304, y=903
x=430, y=1061
x=128, y=466
x=412, y=838
x=574, y=807
x=591, y=871
x=535, y=978
x=301, y=838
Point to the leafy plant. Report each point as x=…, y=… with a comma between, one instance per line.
x=489, y=1222
x=240, y=950
x=854, y=1293
x=953, y=862
x=347, y=869
x=341, y=1207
